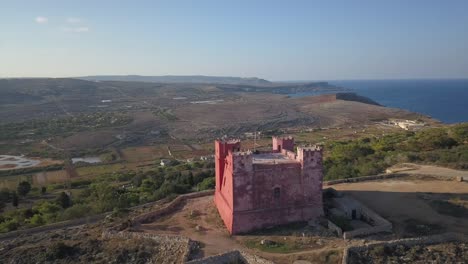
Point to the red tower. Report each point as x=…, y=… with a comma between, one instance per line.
x=267, y=189
x=280, y=143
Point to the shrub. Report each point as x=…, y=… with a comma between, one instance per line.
x=64, y=200
x=23, y=188
x=206, y=184
x=37, y=220
x=59, y=250
x=76, y=211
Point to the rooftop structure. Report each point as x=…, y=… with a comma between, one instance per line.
x=259, y=190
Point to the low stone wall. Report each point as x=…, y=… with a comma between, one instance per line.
x=435, y=239
x=186, y=245
x=254, y=259
x=379, y=224
x=365, y=178
x=231, y=257
x=169, y=208
x=51, y=227
x=335, y=228
x=228, y=257
x=367, y=231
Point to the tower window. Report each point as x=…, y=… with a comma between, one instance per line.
x=276, y=193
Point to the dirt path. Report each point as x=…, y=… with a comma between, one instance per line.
x=198, y=220
x=411, y=168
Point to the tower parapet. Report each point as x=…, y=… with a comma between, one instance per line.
x=280, y=143
x=222, y=148
x=242, y=161
x=310, y=156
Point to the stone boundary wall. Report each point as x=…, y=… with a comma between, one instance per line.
x=389, y=176
x=380, y=224
x=335, y=228
x=428, y=240
x=231, y=257
x=228, y=257
x=51, y=227
x=169, y=241
x=187, y=245
x=254, y=259
x=169, y=208
x=367, y=231
x=365, y=178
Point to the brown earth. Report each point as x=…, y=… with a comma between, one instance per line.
x=8, y=166
x=418, y=169
x=406, y=202
x=198, y=219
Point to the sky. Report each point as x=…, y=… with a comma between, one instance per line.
x=275, y=40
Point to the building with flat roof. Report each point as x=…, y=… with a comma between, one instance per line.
x=265, y=189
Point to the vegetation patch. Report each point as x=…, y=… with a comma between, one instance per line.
x=61, y=126
x=111, y=189
x=165, y=113
x=370, y=156
x=273, y=246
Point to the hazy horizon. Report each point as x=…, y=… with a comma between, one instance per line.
x=277, y=41
x=232, y=76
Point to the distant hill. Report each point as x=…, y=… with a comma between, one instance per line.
x=356, y=98
x=179, y=79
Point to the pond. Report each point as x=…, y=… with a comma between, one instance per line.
x=87, y=160
x=8, y=162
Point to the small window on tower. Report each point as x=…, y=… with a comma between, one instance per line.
x=276, y=193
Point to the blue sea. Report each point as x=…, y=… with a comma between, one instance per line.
x=445, y=100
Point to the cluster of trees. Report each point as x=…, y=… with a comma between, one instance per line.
x=7, y=196
x=62, y=125
x=106, y=193
x=30, y=170
x=446, y=146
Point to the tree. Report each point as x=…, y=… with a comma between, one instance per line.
x=23, y=188
x=190, y=179
x=64, y=200
x=5, y=195
x=15, y=200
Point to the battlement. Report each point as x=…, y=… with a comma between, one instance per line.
x=222, y=147
x=229, y=141
x=280, y=143
x=283, y=137
x=314, y=148
x=310, y=157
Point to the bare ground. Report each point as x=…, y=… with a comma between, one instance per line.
x=215, y=239
x=411, y=168
x=407, y=203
